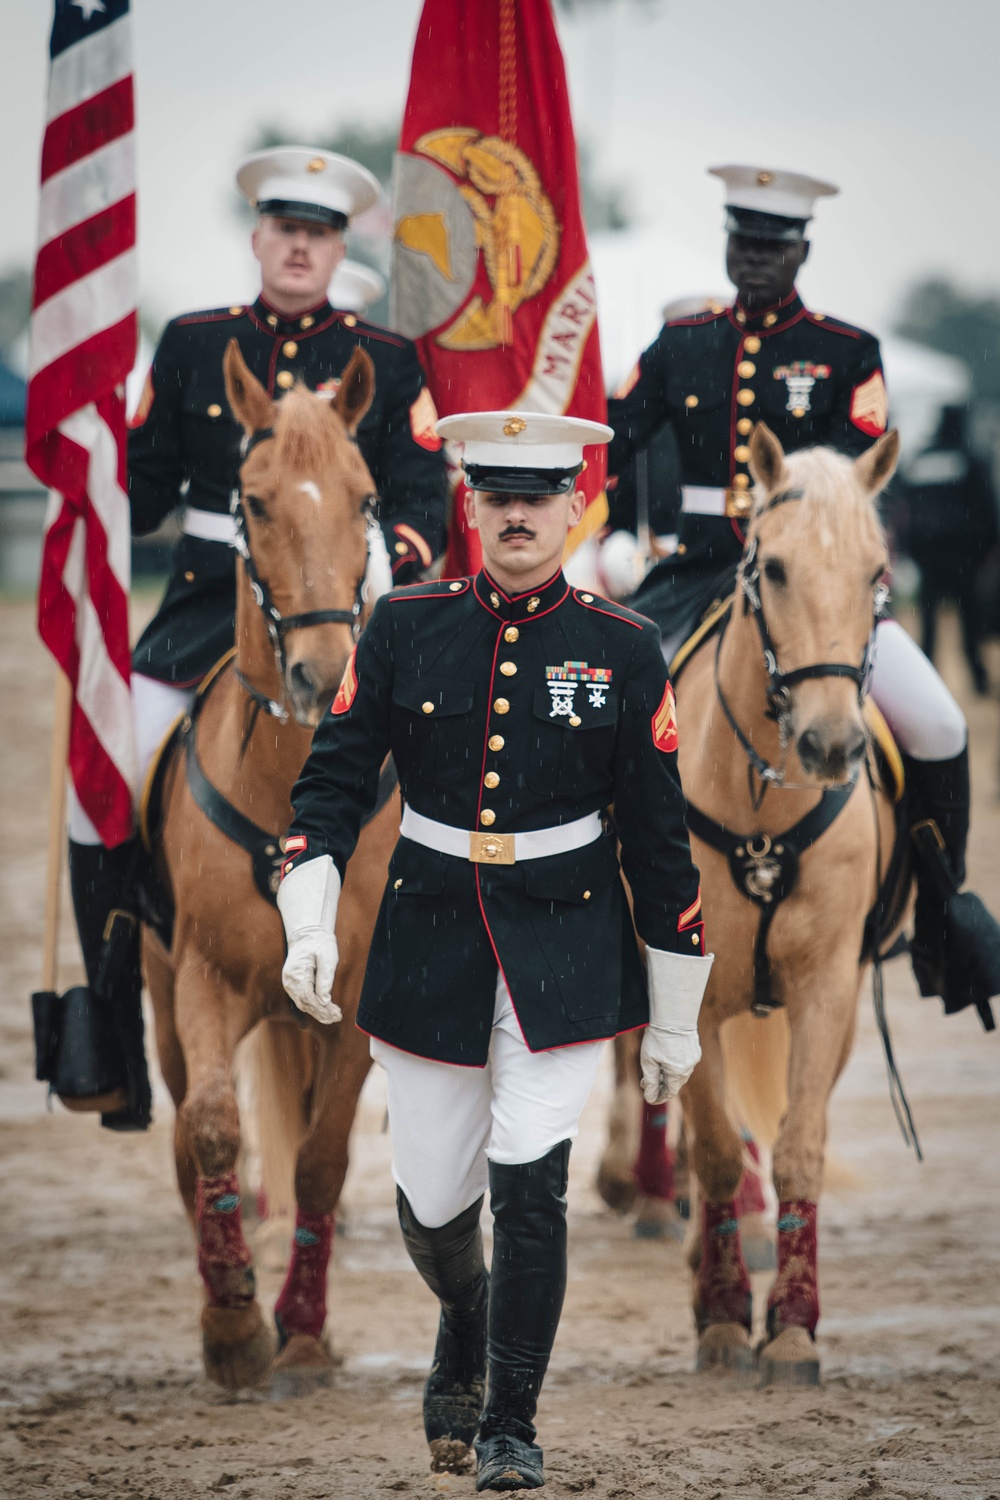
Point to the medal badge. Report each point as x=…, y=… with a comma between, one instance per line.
x=799, y=378
x=563, y=683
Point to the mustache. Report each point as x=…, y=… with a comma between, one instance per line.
x=515, y=531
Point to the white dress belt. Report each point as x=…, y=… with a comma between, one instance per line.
x=484, y=847
x=703, y=500
x=210, y=525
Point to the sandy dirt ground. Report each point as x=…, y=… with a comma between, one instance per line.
x=101, y=1390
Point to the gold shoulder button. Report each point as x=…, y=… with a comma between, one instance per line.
x=427, y=707
x=350, y=321
x=215, y=410
x=456, y=588
x=234, y=312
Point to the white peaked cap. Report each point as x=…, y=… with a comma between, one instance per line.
x=767, y=190
x=355, y=287
x=522, y=439
x=321, y=184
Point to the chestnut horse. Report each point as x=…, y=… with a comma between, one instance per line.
x=773, y=703
x=303, y=514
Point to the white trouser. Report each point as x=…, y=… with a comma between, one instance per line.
x=447, y=1120
x=155, y=706
x=925, y=720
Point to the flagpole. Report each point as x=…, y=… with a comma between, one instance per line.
x=57, y=828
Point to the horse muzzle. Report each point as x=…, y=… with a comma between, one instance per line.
x=309, y=692
x=831, y=749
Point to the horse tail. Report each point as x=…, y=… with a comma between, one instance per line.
x=276, y=1067
x=756, y=1057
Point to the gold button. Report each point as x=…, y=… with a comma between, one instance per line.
x=495, y=600
x=318, y=164
x=290, y=349
x=682, y=548
x=740, y=505
x=501, y=706
x=770, y=320
x=272, y=321
x=763, y=178
x=744, y=369
x=575, y=721
x=350, y=320
x=745, y=397
x=427, y=707
x=798, y=411
x=491, y=779
x=285, y=379
x=752, y=344
x=189, y=576
x=307, y=321
x=511, y=634
x=691, y=401
x=456, y=588
x=533, y=604
x=740, y=482
x=487, y=816
x=396, y=884
x=235, y=311
x=400, y=548
x=215, y=410
x=695, y=939
x=587, y=598
x=586, y=895
x=742, y=454
x=508, y=668
x=496, y=742
x=744, y=425
x=741, y=316
x=819, y=317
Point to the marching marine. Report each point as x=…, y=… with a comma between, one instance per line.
x=517, y=710
x=813, y=379
x=184, y=450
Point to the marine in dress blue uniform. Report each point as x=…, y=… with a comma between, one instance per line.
x=518, y=711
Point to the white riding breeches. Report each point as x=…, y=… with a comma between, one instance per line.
x=925, y=720
x=448, y=1121
x=155, y=706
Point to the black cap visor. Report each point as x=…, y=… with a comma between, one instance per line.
x=310, y=213
x=753, y=225
x=506, y=481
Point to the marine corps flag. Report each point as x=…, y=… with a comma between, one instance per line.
x=490, y=274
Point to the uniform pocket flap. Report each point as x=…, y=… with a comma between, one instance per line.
x=576, y=877
x=586, y=708
x=434, y=697
x=417, y=871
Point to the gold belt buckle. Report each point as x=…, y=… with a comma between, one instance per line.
x=739, y=503
x=491, y=848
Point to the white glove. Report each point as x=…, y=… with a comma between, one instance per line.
x=670, y=1047
x=307, y=900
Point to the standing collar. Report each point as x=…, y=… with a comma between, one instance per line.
x=768, y=319
x=520, y=608
x=281, y=326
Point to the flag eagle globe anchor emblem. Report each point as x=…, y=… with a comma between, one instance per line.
x=462, y=193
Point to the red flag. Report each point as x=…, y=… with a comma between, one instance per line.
x=491, y=274
x=83, y=338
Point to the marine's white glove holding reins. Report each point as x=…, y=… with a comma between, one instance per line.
x=670, y=1047
x=307, y=900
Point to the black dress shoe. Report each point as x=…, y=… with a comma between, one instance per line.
x=506, y=1463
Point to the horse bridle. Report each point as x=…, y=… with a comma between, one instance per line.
x=779, y=683
x=279, y=625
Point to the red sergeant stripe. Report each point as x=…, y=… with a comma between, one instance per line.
x=63, y=386
x=84, y=248
x=94, y=123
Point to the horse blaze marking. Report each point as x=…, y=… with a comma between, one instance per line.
x=308, y=487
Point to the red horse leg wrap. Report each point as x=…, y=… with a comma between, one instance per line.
x=794, y=1299
x=301, y=1307
x=654, y=1166
x=723, y=1291
x=750, y=1194
x=224, y=1258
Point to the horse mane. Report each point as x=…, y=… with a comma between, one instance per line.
x=308, y=430
x=834, y=505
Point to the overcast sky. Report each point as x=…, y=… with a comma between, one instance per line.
x=898, y=101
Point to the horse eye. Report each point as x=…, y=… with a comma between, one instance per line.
x=774, y=572
x=257, y=508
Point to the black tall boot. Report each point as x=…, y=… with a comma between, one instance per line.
x=104, y=901
x=527, y=1286
x=450, y=1260
x=956, y=940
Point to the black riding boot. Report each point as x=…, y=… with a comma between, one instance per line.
x=956, y=940
x=450, y=1260
x=103, y=885
x=527, y=1285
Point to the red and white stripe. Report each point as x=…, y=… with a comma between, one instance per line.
x=83, y=340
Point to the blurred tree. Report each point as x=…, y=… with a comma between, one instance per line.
x=938, y=313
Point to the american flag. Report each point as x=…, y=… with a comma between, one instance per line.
x=83, y=341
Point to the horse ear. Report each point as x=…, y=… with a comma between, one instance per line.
x=356, y=389
x=767, y=457
x=877, y=465
x=252, y=406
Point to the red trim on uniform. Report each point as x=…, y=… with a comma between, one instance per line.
x=348, y=687
x=405, y=592
x=595, y=608
x=694, y=319
x=825, y=321
x=664, y=723
x=224, y=316
x=685, y=917
x=294, y=845
x=416, y=542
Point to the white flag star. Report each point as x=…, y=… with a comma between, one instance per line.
x=90, y=7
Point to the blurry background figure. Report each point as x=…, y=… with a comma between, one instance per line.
x=951, y=529
x=355, y=287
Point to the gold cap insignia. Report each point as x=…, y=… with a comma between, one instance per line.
x=515, y=425
x=316, y=165
x=764, y=178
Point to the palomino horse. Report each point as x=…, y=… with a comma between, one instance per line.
x=773, y=703
x=302, y=515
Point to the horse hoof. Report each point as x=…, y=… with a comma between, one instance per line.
x=616, y=1188
x=725, y=1347
x=759, y=1253
x=449, y=1456
x=237, y=1346
x=789, y=1359
x=303, y=1366
x=658, y=1219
